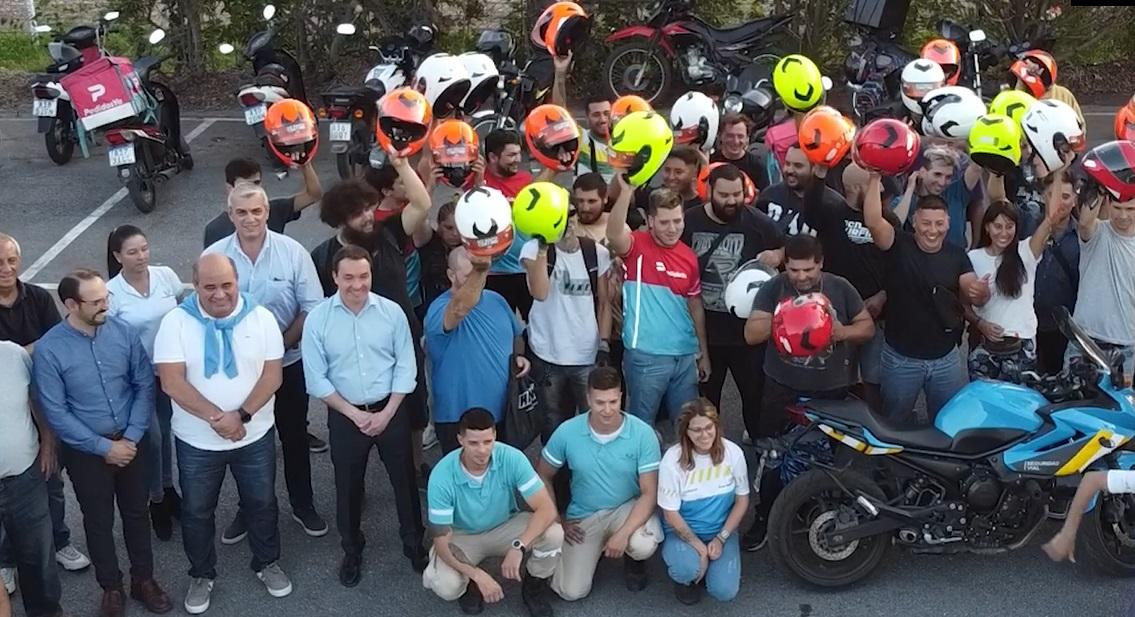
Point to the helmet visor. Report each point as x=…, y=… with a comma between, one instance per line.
x=293, y=133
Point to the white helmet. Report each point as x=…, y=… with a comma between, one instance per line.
x=694, y=118
x=952, y=111
x=484, y=219
x=918, y=78
x=744, y=285
x=483, y=78
x=1052, y=128
x=444, y=82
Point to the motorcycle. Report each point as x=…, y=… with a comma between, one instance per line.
x=51, y=105
x=751, y=94
x=643, y=62
x=998, y=462
x=520, y=90
x=873, y=71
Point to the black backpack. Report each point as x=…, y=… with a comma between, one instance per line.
x=590, y=261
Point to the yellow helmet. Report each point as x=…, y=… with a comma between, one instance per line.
x=798, y=82
x=995, y=143
x=641, y=140
x=540, y=210
x=1012, y=103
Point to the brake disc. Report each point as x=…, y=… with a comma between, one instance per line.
x=816, y=532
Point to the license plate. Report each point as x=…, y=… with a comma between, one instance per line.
x=340, y=131
x=44, y=107
x=254, y=115
x=121, y=155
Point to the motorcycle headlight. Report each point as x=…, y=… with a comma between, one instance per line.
x=733, y=104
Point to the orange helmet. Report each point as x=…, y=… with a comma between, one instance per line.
x=626, y=104
x=404, y=118
x=293, y=135
x=454, y=147
x=947, y=55
x=1037, y=70
x=703, y=183
x=553, y=137
x=826, y=136
x=567, y=27
x=1125, y=122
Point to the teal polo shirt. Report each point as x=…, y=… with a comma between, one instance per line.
x=603, y=476
x=455, y=500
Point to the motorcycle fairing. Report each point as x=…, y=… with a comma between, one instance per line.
x=987, y=404
x=1079, y=437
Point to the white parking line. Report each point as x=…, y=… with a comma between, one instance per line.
x=92, y=218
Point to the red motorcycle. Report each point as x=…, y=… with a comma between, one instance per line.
x=671, y=36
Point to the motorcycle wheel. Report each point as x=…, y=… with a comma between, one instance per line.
x=346, y=168
x=622, y=66
x=811, y=505
x=1107, y=535
x=60, y=141
x=143, y=192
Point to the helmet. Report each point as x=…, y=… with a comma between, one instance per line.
x=403, y=120
x=826, y=135
x=553, y=137
x=703, y=182
x=798, y=82
x=952, y=111
x=293, y=135
x=540, y=210
x=641, y=141
x=1012, y=103
x=483, y=79
x=1037, y=70
x=444, y=81
x=743, y=286
x=886, y=145
x=918, y=78
x=568, y=25
x=1125, y=122
x=995, y=143
x=1053, y=130
x=947, y=55
x=694, y=118
x=454, y=147
x=497, y=44
x=802, y=326
x=1112, y=166
x=423, y=35
x=484, y=220
x=628, y=103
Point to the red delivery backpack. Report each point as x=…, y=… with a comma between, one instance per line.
x=105, y=91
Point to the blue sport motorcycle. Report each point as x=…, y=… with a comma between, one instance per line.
x=999, y=460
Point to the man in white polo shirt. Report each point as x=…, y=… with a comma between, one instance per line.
x=219, y=358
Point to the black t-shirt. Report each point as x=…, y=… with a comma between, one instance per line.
x=30, y=317
x=281, y=211
x=924, y=313
x=849, y=249
x=830, y=370
x=752, y=163
x=891, y=185
x=749, y=234
x=785, y=207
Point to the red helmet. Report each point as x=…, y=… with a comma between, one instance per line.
x=887, y=146
x=802, y=326
x=703, y=183
x=1125, y=122
x=1037, y=70
x=293, y=135
x=1112, y=166
x=947, y=55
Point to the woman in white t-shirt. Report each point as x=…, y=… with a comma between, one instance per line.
x=140, y=295
x=1007, y=322
x=703, y=491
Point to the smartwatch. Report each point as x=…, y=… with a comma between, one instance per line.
x=518, y=545
x=245, y=417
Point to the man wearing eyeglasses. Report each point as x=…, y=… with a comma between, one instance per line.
x=281, y=210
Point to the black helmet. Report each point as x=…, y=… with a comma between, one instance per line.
x=423, y=35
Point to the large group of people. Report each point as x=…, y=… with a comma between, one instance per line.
x=147, y=390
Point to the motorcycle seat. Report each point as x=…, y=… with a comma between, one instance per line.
x=856, y=413
x=345, y=91
x=747, y=31
x=80, y=37
x=270, y=79
x=145, y=65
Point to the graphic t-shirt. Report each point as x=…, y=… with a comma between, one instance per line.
x=562, y=328
x=704, y=495
x=786, y=208
x=659, y=280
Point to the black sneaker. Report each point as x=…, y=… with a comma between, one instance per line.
x=173, y=502
x=235, y=532
x=472, y=602
x=160, y=520
x=634, y=574
x=534, y=592
x=755, y=539
x=315, y=444
x=688, y=594
x=313, y=525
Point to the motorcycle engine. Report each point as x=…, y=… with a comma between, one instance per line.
x=698, y=69
x=982, y=490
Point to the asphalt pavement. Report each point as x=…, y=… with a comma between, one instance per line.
x=62, y=216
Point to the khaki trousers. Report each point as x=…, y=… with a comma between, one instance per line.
x=576, y=570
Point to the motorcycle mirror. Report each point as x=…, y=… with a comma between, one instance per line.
x=345, y=29
x=157, y=36
x=977, y=36
x=269, y=11
x=827, y=81
x=42, y=28
x=226, y=48
x=110, y=16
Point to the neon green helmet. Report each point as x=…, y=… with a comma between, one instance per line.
x=995, y=143
x=540, y=210
x=1012, y=103
x=641, y=140
x=798, y=82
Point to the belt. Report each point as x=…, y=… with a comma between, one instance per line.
x=375, y=406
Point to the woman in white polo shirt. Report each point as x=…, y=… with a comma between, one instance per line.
x=140, y=295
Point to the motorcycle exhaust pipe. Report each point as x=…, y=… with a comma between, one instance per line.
x=908, y=536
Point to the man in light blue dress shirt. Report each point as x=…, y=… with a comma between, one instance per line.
x=359, y=359
x=279, y=274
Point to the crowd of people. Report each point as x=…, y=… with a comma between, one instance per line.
x=410, y=338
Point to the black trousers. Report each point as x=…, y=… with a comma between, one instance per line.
x=1050, y=348
x=350, y=451
x=746, y=363
x=291, y=427
x=514, y=288
x=97, y=487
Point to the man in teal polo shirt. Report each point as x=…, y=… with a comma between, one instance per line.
x=613, y=458
x=473, y=516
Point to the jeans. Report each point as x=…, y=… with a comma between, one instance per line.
x=722, y=576
x=98, y=486
x=907, y=377
x=201, y=473
x=57, y=509
x=24, y=512
x=653, y=380
x=561, y=393
x=161, y=446
x=747, y=366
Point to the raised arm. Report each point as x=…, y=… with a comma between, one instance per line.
x=539, y=283
x=559, y=83
x=312, y=190
x=618, y=233
x=1088, y=215
x=902, y=210
x=416, y=213
x=882, y=232
x=467, y=297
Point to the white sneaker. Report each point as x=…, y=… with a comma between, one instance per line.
x=274, y=579
x=429, y=437
x=71, y=558
x=8, y=575
x=197, y=598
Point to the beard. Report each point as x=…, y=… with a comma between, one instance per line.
x=364, y=239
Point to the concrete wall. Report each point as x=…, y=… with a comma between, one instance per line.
x=17, y=14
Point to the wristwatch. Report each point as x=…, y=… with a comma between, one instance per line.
x=245, y=417
x=518, y=545
x=723, y=536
